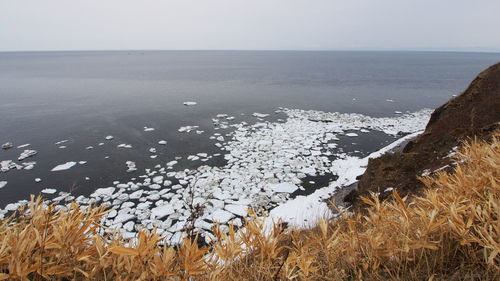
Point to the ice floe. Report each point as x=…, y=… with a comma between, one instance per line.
x=189, y=103
x=62, y=167
x=7, y=145
x=3, y=184
x=131, y=167
x=27, y=153
x=7, y=165
x=221, y=216
x=108, y=191
x=124, y=145
x=260, y=115
x=49, y=191
x=187, y=129
x=284, y=187
x=162, y=211
x=108, y=138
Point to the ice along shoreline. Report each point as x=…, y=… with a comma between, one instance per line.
x=266, y=163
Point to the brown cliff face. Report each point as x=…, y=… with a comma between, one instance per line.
x=474, y=113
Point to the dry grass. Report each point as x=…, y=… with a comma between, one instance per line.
x=451, y=233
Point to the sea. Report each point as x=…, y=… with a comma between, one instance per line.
x=64, y=104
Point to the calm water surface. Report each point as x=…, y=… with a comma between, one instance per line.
x=81, y=97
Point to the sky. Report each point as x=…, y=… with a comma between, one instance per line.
x=454, y=25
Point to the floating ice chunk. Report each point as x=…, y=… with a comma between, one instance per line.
x=221, y=115
x=193, y=158
x=398, y=112
x=351, y=134
x=29, y=165
x=260, y=115
x=108, y=138
x=7, y=165
x=129, y=226
x=12, y=207
x=49, y=191
x=27, y=153
x=364, y=131
x=112, y=214
x=122, y=185
x=64, y=166
x=187, y=129
x=137, y=194
x=143, y=205
x=171, y=163
x=162, y=142
x=124, y=145
x=89, y=147
x=82, y=162
x=315, y=152
x=62, y=146
x=389, y=100
x=152, y=150
x=158, y=179
x=146, y=129
x=120, y=218
x=38, y=180
x=107, y=191
x=155, y=186
x=176, y=238
x=128, y=205
x=284, y=187
x=61, y=142
x=188, y=103
x=3, y=184
x=7, y=145
x=162, y=211
x=221, y=216
x=131, y=166
x=23, y=145
x=310, y=171
x=239, y=210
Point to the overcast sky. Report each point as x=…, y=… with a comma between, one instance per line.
x=250, y=24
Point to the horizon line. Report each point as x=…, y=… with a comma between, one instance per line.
x=429, y=50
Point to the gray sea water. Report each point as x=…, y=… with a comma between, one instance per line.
x=46, y=97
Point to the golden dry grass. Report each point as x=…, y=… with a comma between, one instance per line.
x=450, y=233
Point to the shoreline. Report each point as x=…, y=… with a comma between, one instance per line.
x=266, y=163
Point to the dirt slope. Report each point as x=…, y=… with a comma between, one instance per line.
x=476, y=112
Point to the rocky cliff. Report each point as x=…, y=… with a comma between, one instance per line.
x=474, y=113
